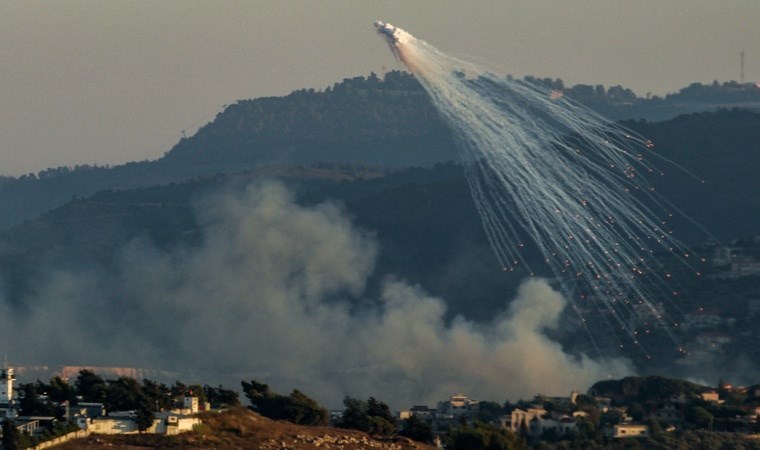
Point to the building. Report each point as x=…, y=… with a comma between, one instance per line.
x=124, y=422
x=418, y=411
x=458, y=405
x=627, y=430
x=190, y=404
x=8, y=407
x=561, y=426
x=521, y=418
x=712, y=397
x=89, y=409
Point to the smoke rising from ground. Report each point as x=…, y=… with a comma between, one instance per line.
x=272, y=293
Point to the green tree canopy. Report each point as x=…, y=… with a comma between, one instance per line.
x=297, y=407
x=417, y=430
x=90, y=386
x=480, y=436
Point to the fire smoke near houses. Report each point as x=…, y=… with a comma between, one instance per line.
x=276, y=292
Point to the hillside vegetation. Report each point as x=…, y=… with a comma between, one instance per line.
x=365, y=120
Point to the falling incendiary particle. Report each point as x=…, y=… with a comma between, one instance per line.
x=524, y=174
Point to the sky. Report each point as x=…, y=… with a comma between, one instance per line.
x=108, y=82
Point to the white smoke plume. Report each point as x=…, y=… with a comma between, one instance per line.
x=276, y=292
x=549, y=173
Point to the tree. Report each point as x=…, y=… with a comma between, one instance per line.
x=586, y=430
x=699, y=416
x=584, y=401
x=126, y=394
x=480, y=436
x=158, y=394
x=371, y=416
x=220, y=397
x=91, y=387
x=123, y=394
x=489, y=411
x=145, y=417
x=11, y=435
x=655, y=430
x=59, y=390
x=637, y=411
x=381, y=420
x=304, y=410
x=297, y=408
x=30, y=403
x=355, y=414
x=417, y=430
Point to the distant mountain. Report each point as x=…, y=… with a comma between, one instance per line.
x=424, y=219
x=388, y=122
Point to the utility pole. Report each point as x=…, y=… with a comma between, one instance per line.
x=741, y=64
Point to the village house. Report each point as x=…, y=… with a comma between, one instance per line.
x=627, y=430
x=7, y=398
x=520, y=419
x=712, y=397
x=419, y=411
x=177, y=420
x=167, y=423
x=456, y=406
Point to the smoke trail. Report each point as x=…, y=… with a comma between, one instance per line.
x=544, y=169
x=276, y=292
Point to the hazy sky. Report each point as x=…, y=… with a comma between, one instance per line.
x=106, y=82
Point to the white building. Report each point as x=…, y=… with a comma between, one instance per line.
x=520, y=417
x=7, y=401
x=458, y=405
x=190, y=404
x=164, y=423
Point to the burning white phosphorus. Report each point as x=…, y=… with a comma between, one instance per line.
x=543, y=167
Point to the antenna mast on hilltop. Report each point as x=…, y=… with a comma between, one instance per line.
x=741, y=64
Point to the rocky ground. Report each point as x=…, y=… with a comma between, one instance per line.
x=244, y=429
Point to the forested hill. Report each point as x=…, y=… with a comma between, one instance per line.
x=387, y=121
x=723, y=151
x=361, y=120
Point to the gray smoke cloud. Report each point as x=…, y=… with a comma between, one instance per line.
x=276, y=292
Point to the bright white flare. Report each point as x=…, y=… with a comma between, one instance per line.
x=543, y=168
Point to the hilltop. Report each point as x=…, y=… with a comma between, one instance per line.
x=242, y=428
x=385, y=121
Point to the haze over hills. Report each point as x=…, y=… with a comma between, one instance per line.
x=184, y=243
x=386, y=121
